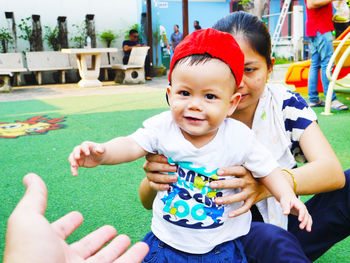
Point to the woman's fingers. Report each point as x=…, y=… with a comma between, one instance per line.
x=233, y=170
x=156, y=158
x=159, y=167
x=159, y=187
x=161, y=178
x=241, y=210
x=234, y=198
x=229, y=183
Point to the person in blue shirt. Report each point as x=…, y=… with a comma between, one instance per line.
x=176, y=37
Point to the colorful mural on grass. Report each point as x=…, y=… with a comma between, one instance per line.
x=33, y=126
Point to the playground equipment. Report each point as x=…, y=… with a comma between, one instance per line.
x=341, y=58
x=297, y=73
x=280, y=22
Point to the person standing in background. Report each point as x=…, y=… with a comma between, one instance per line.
x=196, y=25
x=163, y=39
x=176, y=37
x=319, y=27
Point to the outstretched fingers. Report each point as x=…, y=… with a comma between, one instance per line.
x=88, y=154
x=298, y=208
x=135, y=254
x=67, y=224
x=93, y=242
x=35, y=197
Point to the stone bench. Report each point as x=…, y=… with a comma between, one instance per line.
x=134, y=71
x=39, y=61
x=10, y=64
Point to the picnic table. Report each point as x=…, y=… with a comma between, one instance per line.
x=89, y=74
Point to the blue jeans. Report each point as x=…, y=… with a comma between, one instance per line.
x=321, y=53
x=228, y=252
x=330, y=212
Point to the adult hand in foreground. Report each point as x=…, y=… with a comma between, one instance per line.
x=31, y=238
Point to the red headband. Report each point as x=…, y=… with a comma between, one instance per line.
x=218, y=44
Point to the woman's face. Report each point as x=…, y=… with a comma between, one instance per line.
x=256, y=73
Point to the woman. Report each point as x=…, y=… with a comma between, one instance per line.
x=285, y=124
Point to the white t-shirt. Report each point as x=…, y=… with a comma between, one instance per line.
x=186, y=217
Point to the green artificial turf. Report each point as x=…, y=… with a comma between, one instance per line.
x=105, y=194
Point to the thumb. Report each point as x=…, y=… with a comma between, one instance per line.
x=35, y=197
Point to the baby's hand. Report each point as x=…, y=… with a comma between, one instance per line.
x=296, y=207
x=88, y=154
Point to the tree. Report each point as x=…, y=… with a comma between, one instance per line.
x=5, y=39
x=51, y=37
x=108, y=37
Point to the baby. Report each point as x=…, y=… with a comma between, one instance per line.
x=197, y=136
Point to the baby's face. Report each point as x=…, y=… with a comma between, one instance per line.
x=201, y=97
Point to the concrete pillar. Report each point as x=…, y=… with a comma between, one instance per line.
x=12, y=27
x=37, y=39
x=62, y=32
x=298, y=33
x=90, y=28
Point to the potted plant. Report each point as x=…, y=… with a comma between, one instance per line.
x=27, y=32
x=108, y=37
x=5, y=39
x=51, y=37
x=80, y=35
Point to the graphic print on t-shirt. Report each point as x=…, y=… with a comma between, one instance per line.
x=190, y=201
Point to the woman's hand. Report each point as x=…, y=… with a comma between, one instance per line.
x=251, y=190
x=156, y=167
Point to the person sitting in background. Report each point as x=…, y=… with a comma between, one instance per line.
x=129, y=44
x=31, y=238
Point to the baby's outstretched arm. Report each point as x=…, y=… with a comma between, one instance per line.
x=91, y=154
x=280, y=188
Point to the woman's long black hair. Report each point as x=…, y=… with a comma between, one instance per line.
x=251, y=28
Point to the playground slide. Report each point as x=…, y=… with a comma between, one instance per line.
x=298, y=72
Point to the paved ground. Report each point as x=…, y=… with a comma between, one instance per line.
x=109, y=87
x=69, y=90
